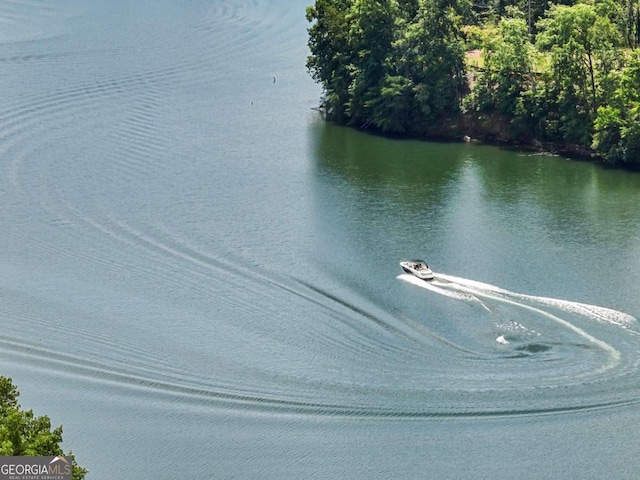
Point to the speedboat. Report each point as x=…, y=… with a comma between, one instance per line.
x=418, y=268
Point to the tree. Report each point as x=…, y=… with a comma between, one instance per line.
x=629, y=22
x=408, y=9
x=393, y=110
x=580, y=42
x=495, y=10
x=508, y=66
x=507, y=84
x=607, y=134
x=617, y=126
x=430, y=53
x=22, y=433
x=631, y=144
x=331, y=53
x=372, y=31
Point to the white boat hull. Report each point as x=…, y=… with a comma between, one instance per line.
x=417, y=268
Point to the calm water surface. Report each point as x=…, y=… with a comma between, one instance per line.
x=199, y=278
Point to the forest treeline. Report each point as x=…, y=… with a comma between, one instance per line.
x=566, y=73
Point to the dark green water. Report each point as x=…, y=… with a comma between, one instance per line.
x=199, y=277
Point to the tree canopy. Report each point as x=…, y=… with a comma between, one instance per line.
x=394, y=66
x=24, y=434
x=565, y=72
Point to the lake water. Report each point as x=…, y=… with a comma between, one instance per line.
x=199, y=277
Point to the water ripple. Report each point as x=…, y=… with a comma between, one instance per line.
x=149, y=304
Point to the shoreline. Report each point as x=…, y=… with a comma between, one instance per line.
x=493, y=129
x=490, y=129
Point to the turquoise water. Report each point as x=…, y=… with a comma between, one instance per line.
x=199, y=277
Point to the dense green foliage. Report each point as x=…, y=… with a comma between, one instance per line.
x=395, y=66
x=564, y=72
x=22, y=433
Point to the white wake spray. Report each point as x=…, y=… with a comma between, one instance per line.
x=470, y=290
x=593, y=312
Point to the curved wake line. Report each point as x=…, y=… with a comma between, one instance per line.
x=613, y=353
x=470, y=290
x=593, y=312
x=217, y=396
x=441, y=290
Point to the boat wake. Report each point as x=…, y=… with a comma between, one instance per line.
x=472, y=290
x=562, y=312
